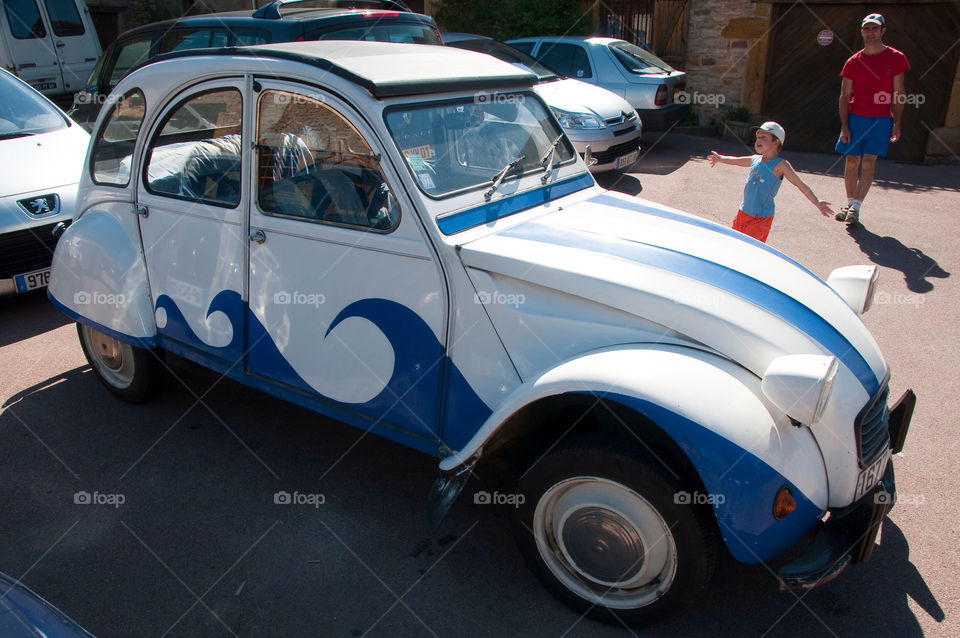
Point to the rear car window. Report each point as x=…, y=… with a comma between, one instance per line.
x=380, y=32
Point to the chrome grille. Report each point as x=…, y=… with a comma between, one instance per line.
x=872, y=428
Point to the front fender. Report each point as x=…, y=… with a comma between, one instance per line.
x=743, y=449
x=99, y=278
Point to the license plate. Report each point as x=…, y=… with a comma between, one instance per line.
x=45, y=86
x=626, y=160
x=871, y=475
x=32, y=280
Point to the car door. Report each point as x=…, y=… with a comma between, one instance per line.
x=193, y=221
x=29, y=38
x=346, y=297
x=74, y=41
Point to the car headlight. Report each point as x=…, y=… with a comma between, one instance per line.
x=578, y=120
x=856, y=285
x=799, y=385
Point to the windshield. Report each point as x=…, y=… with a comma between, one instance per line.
x=637, y=60
x=468, y=143
x=24, y=112
x=507, y=53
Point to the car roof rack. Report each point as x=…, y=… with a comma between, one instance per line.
x=271, y=10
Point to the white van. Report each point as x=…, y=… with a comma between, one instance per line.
x=50, y=44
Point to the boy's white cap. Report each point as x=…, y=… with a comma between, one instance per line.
x=873, y=18
x=774, y=129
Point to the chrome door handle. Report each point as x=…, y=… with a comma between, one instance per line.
x=258, y=236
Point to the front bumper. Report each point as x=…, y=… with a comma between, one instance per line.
x=849, y=535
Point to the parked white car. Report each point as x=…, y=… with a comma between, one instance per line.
x=591, y=116
x=416, y=249
x=644, y=80
x=41, y=156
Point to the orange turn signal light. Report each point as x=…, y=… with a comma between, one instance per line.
x=783, y=504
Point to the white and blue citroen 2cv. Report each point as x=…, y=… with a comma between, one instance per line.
x=414, y=248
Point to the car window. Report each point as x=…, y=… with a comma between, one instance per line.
x=508, y=53
x=526, y=47
x=568, y=59
x=24, y=112
x=128, y=55
x=397, y=32
x=247, y=37
x=313, y=164
x=464, y=144
x=220, y=38
x=195, y=155
x=64, y=17
x=113, y=147
x=637, y=60
x=180, y=39
x=24, y=19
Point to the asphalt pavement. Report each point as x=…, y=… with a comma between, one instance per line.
x=164, y=519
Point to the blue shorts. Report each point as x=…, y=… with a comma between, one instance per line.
x=868, y=136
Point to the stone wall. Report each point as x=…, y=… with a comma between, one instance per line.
x=726, y=55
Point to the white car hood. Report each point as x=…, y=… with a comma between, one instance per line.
x=738, y=296
x=44, y=161
x=579, y=97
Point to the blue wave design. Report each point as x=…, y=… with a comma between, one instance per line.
x=409, y=400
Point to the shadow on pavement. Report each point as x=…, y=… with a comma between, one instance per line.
x=26, y=316
x=890, y=252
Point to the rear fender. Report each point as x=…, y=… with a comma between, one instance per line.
x=742, y=448
x=99, y=278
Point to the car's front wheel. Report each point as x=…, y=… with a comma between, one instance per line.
x=131, y=373
x=604, y=529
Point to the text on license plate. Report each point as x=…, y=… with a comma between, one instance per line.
x=32, y=280
x=871, y=475
x=45, y=86
x=628, y=159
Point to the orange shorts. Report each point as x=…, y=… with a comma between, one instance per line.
x=756, y=227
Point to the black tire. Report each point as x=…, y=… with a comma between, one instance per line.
x=131, y=373
x=602, y=529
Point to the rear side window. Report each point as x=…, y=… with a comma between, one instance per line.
x=381, y=32
x=526, y=47
x=181, y=39
x=568, y=59
x=64, y=17
x=23, y=16
x=113, y=148
x=196, y=154
x=246, y=37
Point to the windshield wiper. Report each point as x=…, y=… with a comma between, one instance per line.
x=506, y=170
x=547, y=160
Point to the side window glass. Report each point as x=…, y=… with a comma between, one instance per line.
x=568, y=59
x=313, y=164
x=24, y=19
x=64, y=17
x=185, y=39
x=196, y=153
x=526, y=47
x=220, y=38
x=113, y=148
x=129, y=55
x=247, y=37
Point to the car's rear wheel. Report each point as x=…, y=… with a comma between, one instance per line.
x=131, y=373
x=604, y=530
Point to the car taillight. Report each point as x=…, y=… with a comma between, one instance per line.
x=661, y=97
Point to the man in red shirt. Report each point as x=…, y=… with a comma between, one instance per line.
x=871, y=105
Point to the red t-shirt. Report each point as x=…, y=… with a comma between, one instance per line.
x=872, y=77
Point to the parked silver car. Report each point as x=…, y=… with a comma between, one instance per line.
x=41, y=156
x=646, y=81
x=591, y=116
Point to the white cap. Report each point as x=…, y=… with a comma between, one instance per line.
x=775, y=129
x=873, y=18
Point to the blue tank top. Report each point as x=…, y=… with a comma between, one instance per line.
x=762, y=186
